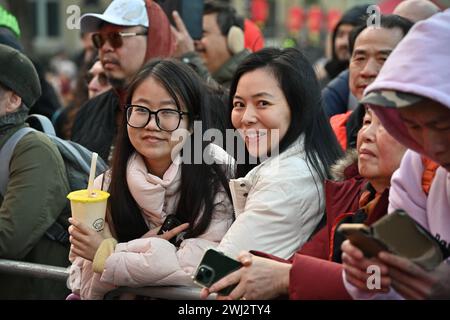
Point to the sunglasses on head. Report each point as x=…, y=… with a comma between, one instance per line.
x=102, y=78
x=114, y=38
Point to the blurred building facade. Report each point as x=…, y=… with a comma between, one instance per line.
x=48, y=25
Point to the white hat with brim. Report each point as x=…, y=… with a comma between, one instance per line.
x=128, y=13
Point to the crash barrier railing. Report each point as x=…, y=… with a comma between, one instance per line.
x=166, y=293
x=60, y=273
x=33, y=270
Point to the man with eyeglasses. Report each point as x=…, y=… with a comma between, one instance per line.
x=127, y=34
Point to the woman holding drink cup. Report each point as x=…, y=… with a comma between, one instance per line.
x=147, y=182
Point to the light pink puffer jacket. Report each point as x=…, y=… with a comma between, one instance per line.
x=153, y=261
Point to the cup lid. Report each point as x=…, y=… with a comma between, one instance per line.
x=82, y=196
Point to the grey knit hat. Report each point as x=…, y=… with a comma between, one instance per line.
x=18, y=74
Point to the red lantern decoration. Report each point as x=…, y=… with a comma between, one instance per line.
x=315, y=19
x=334, y=16
x=295, y=19
x=259, y=11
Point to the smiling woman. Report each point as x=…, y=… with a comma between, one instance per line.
x=276, y=109
x=148, y=182
x=259, y=96
x=358, y=195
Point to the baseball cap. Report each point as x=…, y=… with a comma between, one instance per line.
x=391, y=99
x=119, y=12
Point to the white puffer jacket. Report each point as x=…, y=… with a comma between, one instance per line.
x=278, y=205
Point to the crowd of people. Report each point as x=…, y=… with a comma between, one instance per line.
x=297, y=151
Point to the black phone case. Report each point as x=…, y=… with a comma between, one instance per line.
x=222, y=266
x=191, y=11
x=169, y=223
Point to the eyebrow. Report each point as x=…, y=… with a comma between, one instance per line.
x=169, y=102
x=364, y=51
x=387, y=52
x=258, y=95
x=359, y=51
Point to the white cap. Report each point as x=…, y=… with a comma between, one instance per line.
x=119, y=12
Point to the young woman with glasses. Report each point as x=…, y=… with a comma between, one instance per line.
x=150, y=180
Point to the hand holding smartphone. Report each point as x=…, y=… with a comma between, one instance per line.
x=399, y=234
x=213, y=267
x=361, y=237
x=170, y=223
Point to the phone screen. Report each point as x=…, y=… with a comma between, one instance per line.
x=191, y=11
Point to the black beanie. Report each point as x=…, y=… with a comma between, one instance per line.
x=18, y=74
x=8, y=38
x=355, y=15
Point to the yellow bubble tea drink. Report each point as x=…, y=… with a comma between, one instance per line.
x=89, y=207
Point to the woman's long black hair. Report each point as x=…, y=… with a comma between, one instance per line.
x=299, y=84
x=199, y=182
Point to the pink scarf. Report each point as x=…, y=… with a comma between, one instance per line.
x=155, y=196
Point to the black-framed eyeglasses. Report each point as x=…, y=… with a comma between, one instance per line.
x=166, y=119
x=114, y=38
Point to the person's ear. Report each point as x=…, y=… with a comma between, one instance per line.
x=13, y=102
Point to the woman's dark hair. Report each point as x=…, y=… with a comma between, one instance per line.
x=301, y=89
x=199, y=182
x=390, y=21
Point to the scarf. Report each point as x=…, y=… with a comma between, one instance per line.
x=10, y=120
x=156, y=197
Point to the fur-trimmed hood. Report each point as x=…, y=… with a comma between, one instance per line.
x=346, y=167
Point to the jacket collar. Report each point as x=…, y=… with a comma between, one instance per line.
x=296, y=148
x=227, y=70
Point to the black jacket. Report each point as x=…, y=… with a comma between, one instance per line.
x=95, y=125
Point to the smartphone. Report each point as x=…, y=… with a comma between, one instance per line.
x=169, y=223
x=360, y=236
x=399, y=234
x=191, y=11
x=214, y=266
